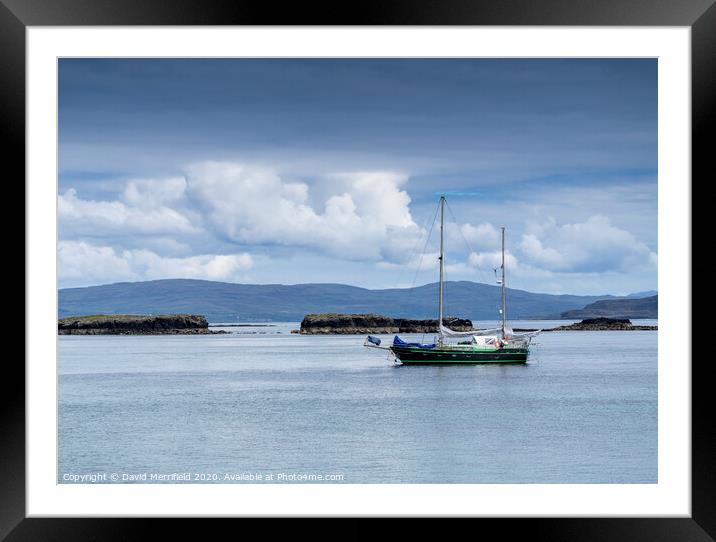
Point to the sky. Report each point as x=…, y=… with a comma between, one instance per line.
x=330, y=170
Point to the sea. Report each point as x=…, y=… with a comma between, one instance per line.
x=263, y=405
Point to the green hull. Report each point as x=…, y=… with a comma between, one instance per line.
x=417, y=356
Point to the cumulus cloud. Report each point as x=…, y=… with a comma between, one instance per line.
x=492, y=260
x=423, y=262
x=162, y=228
x=154, y=193
x=369, y=220
x=593, y=246
x=484, y=236
x=142, y=212
x=207, y=266
x=82, y=260
x=89, y=263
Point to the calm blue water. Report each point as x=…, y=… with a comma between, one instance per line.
x=262, y=401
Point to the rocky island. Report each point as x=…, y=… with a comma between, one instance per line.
x=361, y=324
x=603, y=324
x=129, y=324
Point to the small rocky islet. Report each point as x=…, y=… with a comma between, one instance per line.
x=360, y=324
x=130, y=324
x=604, y=324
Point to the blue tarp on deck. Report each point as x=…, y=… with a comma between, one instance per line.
x=397, y=341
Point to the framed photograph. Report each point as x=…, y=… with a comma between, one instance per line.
x=407, y=265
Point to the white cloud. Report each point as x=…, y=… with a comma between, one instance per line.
x=162, y=228
x=589, y=247
x=153, y=193
x=492, y=260
x=369, y=220
x=143, y=213
x=78, y=260
x=81, y=260
x=484, y=236
x=207, y=266
x=425, y=262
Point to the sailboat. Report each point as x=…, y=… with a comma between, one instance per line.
x=498, y=345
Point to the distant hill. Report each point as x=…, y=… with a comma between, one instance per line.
x=647, y=307
x=228, y=302
x=647, y=293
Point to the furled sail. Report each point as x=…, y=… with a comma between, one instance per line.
x=447, y=332
x=509, y=332
x=525, y=334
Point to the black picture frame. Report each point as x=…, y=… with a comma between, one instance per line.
x=699, y=15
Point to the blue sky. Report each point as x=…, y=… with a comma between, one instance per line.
x=329, y=170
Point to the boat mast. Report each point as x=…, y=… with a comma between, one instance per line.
x=504, y=288
x=440, y=301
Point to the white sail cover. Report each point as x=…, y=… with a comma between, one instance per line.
x=447, y=332
x=525, y=334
